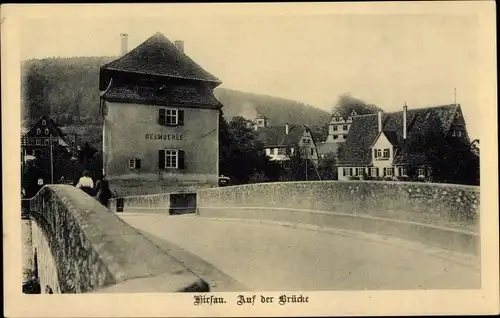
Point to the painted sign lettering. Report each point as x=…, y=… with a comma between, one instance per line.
x=164, y=136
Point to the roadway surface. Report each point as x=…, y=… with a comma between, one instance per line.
x=239, y=254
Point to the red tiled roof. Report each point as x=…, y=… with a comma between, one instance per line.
x=364, y=131
x=158, y=56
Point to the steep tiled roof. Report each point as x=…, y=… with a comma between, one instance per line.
x=158, y=56
x=174, y=96
x=276, y=136
x=271, y=136
x=364, y=131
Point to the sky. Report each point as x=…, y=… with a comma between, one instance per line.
x=312, y=57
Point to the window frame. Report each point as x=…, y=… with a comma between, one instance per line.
x=169, y=113
x=335, y=128
x=38, y=142
x=386, y=170
x=421, y=169
x=132, y=160
x=374, y=171
x=362, y=170
x=347, y=172
x=345, y=127
x=388, y=151
x=46, y=142
x=174, y=113
x=176, y=151
x=38, y=131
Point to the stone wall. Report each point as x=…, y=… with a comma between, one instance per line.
x=446, y=216
x=448, y=205
x=169, y=203
x=92, y=248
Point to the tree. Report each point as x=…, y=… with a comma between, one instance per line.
x=449, y=159
x=241, y=154
x=327, y=167
x=320, y=132
x=347, y=102
x=299, y=167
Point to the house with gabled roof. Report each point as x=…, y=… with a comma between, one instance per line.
x=383, y=145
x=281, y=142
x=160, y=119
x=36, y=141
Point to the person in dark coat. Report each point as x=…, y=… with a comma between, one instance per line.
x=103, y=192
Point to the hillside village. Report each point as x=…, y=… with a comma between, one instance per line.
x=95, y=114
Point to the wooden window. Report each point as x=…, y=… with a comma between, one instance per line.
x=374, y=172
x=387, y=153
x=361, y=171
x=171, y=159
x=388, y=172
x=46, y=141
x=312, y=151
x=345, y=128
x=38, y=142
x=170, y=117
x=377, y=153
x=403, y=171
x=335, y=137
x=38, y=131
x=347, y=172
x=421, y=172
x=335, y=127
x=47, y=132
x=134, y=163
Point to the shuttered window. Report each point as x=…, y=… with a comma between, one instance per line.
x=171, y=159
x=170, y=117
x=134, y=163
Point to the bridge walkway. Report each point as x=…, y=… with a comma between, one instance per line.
x=241, y=254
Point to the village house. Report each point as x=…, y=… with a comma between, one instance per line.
x=160, y=130
x=36, y=141
x=338, y=128
x=378, y=145
x=281, y=142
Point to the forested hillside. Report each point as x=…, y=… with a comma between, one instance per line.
x=66, y=89
x=278, y=110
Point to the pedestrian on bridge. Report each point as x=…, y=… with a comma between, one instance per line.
x=86, y=183
x=103, y=191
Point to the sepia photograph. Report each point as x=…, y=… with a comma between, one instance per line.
x=241, y=159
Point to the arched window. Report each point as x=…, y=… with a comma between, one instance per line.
x=44, y=122
x=47, y=131
x=38, y=131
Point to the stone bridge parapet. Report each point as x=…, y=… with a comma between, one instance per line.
x=93, y=250
x=443, y=215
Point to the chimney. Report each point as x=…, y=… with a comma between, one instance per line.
x=179, y=45
x=379, y=121
x=287, y=128
x=124, y=38
x=405, y=110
